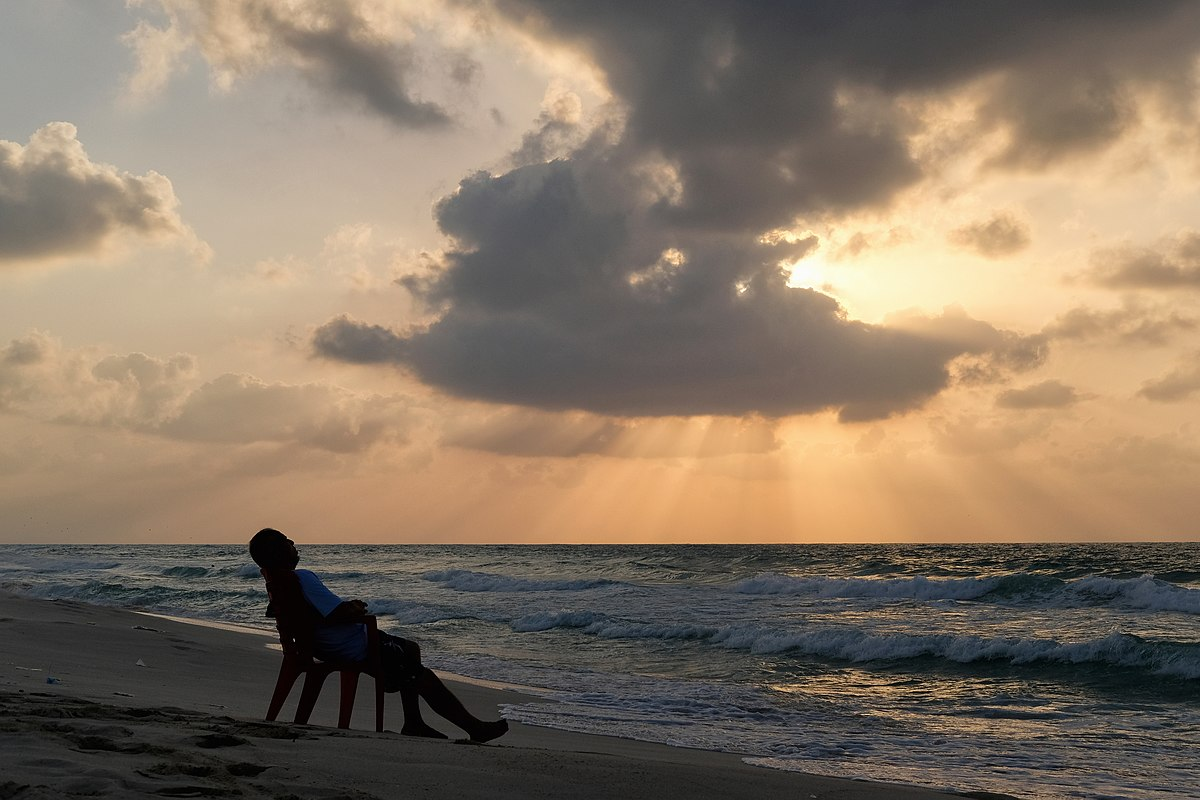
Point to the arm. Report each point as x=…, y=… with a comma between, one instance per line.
x=348, y=611
x=331, y=607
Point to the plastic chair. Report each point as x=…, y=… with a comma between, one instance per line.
x=296, y=622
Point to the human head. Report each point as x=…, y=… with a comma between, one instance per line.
x=270, y=549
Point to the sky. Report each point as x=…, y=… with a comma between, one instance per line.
x=530, y=271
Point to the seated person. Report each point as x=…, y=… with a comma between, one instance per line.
x=340, y=638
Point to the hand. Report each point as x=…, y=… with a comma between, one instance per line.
x=348, y=611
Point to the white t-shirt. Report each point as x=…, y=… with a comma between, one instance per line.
x=338, y=641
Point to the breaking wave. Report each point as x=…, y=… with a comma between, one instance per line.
x=1145, y=592
x=1162, y=658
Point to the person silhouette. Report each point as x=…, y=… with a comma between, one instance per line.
x=339, y=637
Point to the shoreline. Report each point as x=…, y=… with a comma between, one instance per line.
x=124, y=682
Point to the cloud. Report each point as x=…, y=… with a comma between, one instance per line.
x=631, y=272
x=801, y=99
x=350, y=50
x=534, y=434
x=1134, y=323
x=1047, y=394
x=968, y=436
x=553, y=307
x=353, y=254
x=149, y=387
x=158, y=53
x=1171, y=457
x=1179, y=384
x=999, y=236
x=769, y=350
x=55, y=201
x=861, y=242
x=521, y=432
x=987, y=354
x=1055, y=119
x=1083, y=75
x=42, y=380
x=556, y=128
x=241, y=408
x=345, y=339
x=1173, y=264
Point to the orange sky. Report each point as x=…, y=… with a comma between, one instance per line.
x=403, y=271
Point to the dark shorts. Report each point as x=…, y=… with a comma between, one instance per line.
x=401, y=662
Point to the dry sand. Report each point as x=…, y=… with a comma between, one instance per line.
x=100, y=702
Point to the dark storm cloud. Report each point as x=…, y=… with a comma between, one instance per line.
x=996, y=237
x=634, y=275
x=1047, y=394
x=1174, y=264
x=54, y=201
x=561, y=295
x=724, y=86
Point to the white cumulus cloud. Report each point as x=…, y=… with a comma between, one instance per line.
x=55, y=201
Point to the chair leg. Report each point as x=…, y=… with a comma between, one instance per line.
x=308, y=697
x=378, y=705
x=283, y=687
x=349, y=690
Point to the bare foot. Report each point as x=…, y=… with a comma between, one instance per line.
x=423, y=730
x=490, y=730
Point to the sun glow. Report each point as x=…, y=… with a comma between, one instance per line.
x=810, y=272
x=815, y=272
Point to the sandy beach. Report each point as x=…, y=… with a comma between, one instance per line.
x=102, y=702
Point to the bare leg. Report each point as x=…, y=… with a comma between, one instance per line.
x=425, y=684
x=443, y=701
x=410, y=699
x=414, y=725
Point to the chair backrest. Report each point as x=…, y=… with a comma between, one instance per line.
x=295, y=619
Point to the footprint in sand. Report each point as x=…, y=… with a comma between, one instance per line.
x=193, y=791
x=10, y=789
x=246, y=770
x=212, y=741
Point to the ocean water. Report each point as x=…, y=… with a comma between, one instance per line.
x=1042, y=671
